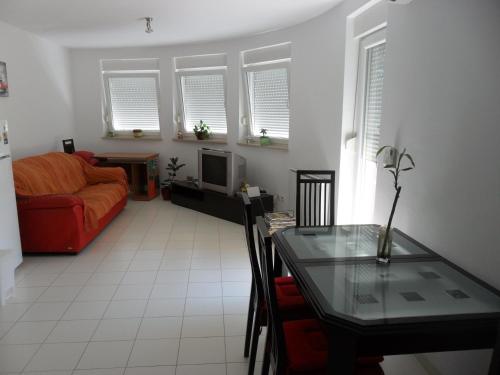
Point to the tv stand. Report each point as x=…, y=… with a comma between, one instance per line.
x=187, y=194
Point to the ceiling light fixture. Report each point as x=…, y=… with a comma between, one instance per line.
x=149, y=29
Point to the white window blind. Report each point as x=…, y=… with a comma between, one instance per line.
x=203, y=98
x=133, y=102
x=373, y=101
x=269, y=102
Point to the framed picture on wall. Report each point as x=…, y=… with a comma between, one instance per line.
x=4, y=86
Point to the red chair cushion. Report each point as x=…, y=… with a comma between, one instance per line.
x=306, y=345
x=290, y=302
x=288, y=295
x=307, y=350
x=284, y=280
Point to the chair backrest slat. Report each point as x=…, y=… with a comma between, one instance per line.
x=252, y=253
x=315, y=199
x=275, y=322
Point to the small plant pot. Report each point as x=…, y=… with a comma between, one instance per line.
x=265, y=141
x=138, y=133
x=166, y=193
x=201, y=136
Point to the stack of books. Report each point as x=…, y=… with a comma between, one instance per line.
x=278, y=220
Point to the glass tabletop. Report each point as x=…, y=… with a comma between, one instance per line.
x=349, y=241
x=368, y=292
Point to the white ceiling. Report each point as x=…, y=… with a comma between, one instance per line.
x=117, y=23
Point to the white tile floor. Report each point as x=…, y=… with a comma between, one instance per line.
x=163, y=290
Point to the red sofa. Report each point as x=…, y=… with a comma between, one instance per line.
x=64, y=203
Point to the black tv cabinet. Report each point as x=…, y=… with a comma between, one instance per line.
x=187, y=194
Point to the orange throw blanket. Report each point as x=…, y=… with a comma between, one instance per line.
x=59, y=173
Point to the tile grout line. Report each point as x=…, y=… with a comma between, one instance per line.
x=134, y=342
x=98, y=323
x=61, y=316
x=185, y=300
x=222, y=297
x=55, y=325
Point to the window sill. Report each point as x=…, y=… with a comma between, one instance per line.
x=147, y=137
x=221, y=141
x=273, y=146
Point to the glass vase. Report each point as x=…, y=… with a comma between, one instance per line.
x=384, y=245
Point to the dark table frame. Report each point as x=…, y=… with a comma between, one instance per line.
x=349, y=339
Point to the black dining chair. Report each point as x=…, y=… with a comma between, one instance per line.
x=315, y=195
x=291, y=302
x=299, y=346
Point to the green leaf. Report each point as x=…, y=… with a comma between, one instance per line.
x=410, y=159
x=381, y=149
x=406, y=169
x=401, y=156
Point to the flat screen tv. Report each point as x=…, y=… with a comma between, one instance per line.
x=220, y=170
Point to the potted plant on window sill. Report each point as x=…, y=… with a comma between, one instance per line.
x=201, y=131
x=264, y=139
x=166, y=186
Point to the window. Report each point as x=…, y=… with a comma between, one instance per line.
x=131, y=99
x=201, y=89
x=268, y=100
x=203, y=99
x=266, y=85
x=368, y=116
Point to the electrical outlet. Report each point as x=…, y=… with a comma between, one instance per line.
x=279, y=198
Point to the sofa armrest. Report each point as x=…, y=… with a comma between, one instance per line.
x=96, y=175
x=48, y=201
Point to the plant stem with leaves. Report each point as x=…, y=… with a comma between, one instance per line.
x=396, y=169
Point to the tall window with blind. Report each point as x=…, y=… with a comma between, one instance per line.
x=201, y=94
x=266, y=87
x=368, y=118
x=132, y=101
x=203, y=98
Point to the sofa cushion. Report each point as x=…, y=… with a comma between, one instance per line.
x=52, y=173
x=98, y=199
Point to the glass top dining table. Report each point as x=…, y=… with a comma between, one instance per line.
x=346, y=241
x=337, y=267
x=418, y=303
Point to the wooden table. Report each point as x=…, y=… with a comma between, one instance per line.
x=142, y=171
x=418, y=303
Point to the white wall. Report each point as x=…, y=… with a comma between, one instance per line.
x=316, y=99
x=39, y=109
x=442, y=102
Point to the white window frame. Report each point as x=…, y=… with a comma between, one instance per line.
x=181, y=116
x=247, y=114
x=369, y=41
x=108, y=112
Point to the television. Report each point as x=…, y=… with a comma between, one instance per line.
x=220, y=170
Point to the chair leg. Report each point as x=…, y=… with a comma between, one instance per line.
x=267, y=354
x=255, y=342
x=250, y=317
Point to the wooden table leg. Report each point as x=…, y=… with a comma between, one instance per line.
x=342, y=353
x=495, y=359
x=135, y=179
